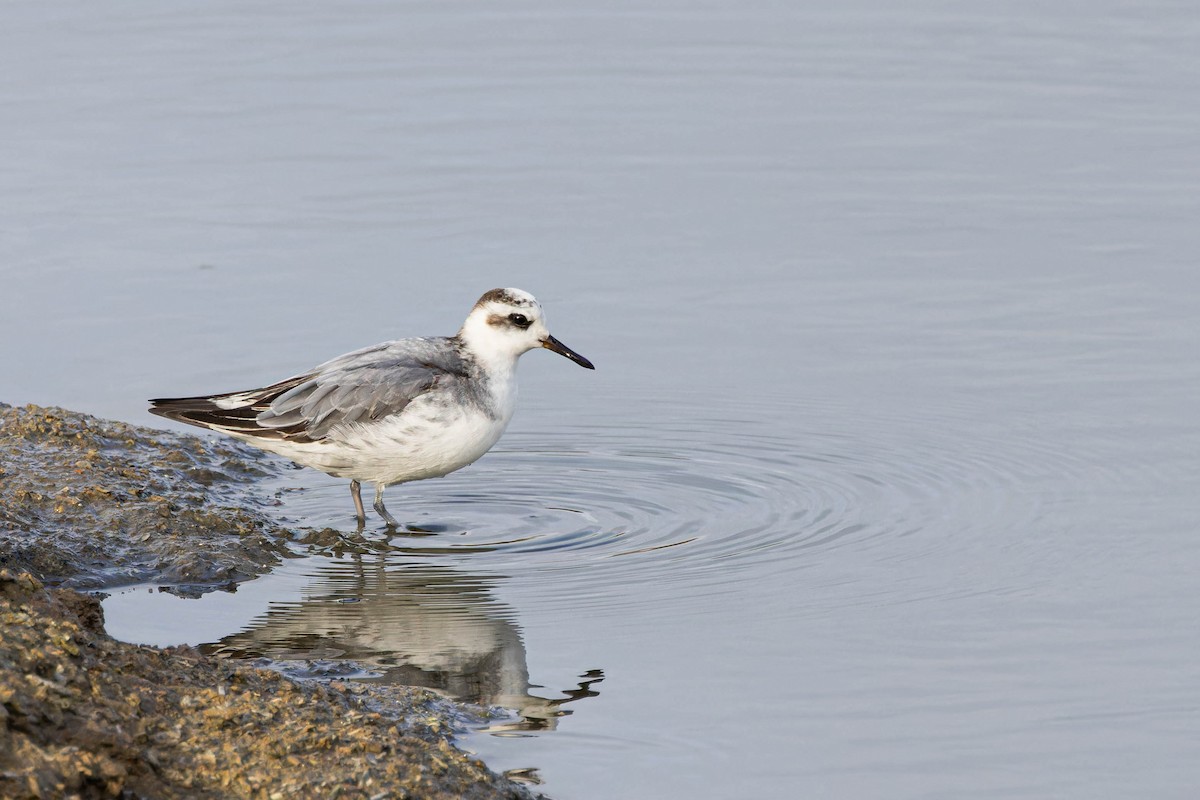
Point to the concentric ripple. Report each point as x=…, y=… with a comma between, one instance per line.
x=702, y=499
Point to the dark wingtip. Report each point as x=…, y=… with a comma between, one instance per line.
x=198, y=411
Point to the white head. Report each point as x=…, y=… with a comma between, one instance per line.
x=508, y=322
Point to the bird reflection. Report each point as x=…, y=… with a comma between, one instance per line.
x=416, y=624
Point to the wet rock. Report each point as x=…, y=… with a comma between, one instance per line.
x=86, y=503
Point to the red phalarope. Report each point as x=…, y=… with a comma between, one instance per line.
x=395, y=412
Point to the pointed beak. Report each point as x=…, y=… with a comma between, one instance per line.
x=550, y=343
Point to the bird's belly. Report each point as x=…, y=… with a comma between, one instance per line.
x=435, y=449
x=428, y=443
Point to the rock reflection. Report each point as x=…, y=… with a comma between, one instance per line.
x=415, y=624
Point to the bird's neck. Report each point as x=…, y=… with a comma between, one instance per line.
x=496, y=370
x=479, y=347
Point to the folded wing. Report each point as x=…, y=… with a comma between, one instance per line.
x=362, y=386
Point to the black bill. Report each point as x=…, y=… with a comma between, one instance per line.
x=550, y=343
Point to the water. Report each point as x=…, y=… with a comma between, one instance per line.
x=885, y=485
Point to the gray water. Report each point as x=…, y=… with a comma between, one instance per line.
x=886, y=484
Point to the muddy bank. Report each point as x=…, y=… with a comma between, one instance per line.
x=90, y=503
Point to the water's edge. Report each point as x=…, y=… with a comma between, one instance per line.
x=93, y=504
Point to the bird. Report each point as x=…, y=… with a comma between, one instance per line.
x=394, y=412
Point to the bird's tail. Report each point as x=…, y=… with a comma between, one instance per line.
x=232, y=412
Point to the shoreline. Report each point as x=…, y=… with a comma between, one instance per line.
x=87, y=503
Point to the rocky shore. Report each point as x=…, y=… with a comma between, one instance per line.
x=87, y=503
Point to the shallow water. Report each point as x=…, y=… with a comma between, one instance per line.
x=885, y=484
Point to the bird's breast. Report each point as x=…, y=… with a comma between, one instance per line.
x=428, y=440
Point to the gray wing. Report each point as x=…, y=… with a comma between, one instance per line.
x=365, y=385
x=368, y=384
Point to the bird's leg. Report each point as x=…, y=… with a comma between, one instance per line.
x=356, y=493
x=383, y=512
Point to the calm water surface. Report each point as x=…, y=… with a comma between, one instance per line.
x=886, y=482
